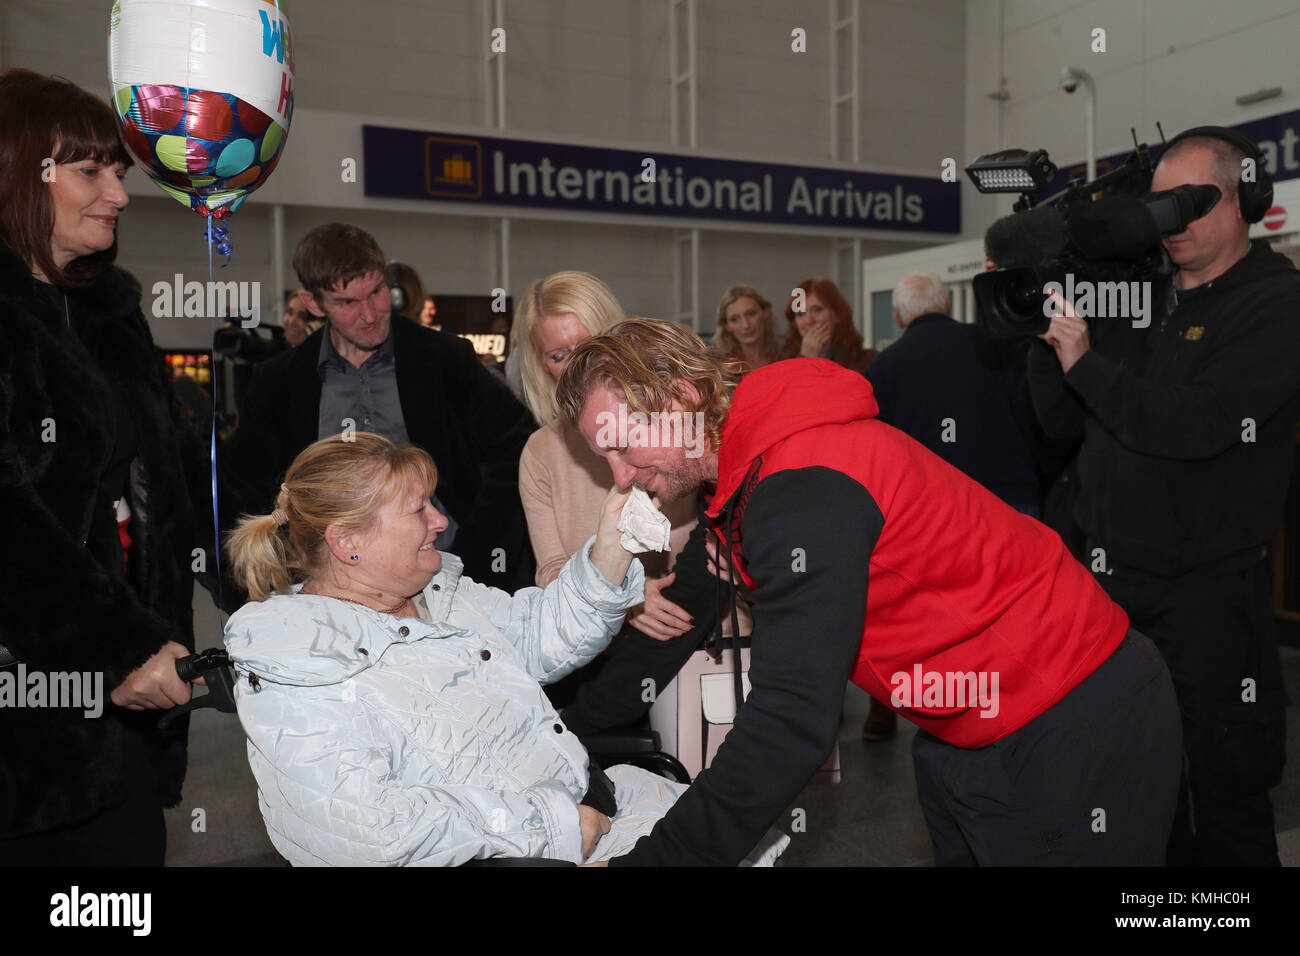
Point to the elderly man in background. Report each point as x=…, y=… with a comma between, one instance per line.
x=944, y=385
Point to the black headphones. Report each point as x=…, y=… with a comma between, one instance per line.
x=398, y=294
x=1257, y=197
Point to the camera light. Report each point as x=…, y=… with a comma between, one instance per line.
x=1012, y=171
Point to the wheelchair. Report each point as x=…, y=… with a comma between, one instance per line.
x=638, y=745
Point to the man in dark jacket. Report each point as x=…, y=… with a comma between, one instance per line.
x=1189, y=424
x=955, y=395
x=1049, y=729
x=366, y=373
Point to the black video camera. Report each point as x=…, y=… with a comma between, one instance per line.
x=1107, y=247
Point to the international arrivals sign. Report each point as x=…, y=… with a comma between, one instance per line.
x=486, y=170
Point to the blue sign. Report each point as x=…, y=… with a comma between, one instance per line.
x=1276, y=136
x=409, y=164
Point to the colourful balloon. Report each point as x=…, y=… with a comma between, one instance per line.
x=203, y=92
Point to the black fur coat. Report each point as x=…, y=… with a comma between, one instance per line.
x=60, y=608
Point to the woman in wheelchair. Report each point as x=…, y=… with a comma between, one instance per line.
x=392, y=706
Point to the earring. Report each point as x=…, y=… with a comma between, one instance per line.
x=356, y=557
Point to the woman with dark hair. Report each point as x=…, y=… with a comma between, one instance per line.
x=299, y=323
x=823, y=327
x=95, y=585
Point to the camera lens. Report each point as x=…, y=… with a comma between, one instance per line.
x=1023, y=296
x=1022, y=302
x=1009, y=302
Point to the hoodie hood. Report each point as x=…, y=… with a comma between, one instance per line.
x=1261, y=260
x=1260, y=264
x=780, y=400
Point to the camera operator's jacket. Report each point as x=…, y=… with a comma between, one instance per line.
x=869, y=557
x=384, y=740
x=1189, y=424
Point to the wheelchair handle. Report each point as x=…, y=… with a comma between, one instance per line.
x=186, y=670
x=214, y=666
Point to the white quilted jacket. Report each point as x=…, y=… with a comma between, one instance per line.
x=378, y=740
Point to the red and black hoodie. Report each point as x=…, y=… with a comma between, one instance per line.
x=868, y=556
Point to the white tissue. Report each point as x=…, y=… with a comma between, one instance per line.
x=644, y=527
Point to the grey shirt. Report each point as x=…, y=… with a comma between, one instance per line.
x=366, y=395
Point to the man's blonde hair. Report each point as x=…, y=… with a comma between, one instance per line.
x=645, y=360
x=578, y=293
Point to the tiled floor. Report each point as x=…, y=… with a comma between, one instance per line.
x=870, y=818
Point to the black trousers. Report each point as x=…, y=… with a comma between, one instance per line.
x=1215, y=630
x=1091, y=781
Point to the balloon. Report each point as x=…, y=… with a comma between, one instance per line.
x=203, y=92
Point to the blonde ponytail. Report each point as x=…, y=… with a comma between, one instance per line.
x=257, y=555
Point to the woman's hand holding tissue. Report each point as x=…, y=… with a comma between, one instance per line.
x=608, y=554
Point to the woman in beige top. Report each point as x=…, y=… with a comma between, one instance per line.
x=561, y=480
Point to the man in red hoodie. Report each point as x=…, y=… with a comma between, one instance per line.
x=1049, y=729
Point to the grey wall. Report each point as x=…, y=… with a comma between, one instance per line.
x=593, y=71
x=1181, y=62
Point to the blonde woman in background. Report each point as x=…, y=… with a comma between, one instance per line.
x=746, y=328
x=562, y=483
x=561, y=480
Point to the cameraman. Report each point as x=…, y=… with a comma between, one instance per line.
x=1189, y=429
